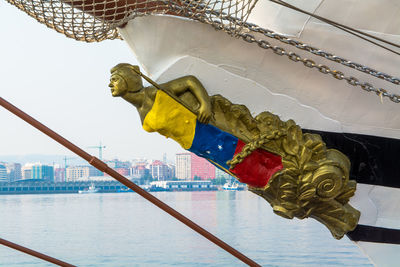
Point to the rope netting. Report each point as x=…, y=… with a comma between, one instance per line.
x=97, y=20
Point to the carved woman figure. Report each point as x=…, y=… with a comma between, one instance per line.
x=293, y=171
x=126, y=83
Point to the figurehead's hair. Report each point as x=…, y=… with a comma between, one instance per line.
x=128, y=72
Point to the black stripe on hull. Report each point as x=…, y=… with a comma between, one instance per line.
x=368, y=233
x=374, y=160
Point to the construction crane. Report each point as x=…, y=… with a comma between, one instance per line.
x=65, y=162
x=65, y=166
x=100, y=148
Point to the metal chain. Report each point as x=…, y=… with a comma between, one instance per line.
x=253, y=145
x=316, y=51
x=322, y=68
x=319, y=52
x=218, y=24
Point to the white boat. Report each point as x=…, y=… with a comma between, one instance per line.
x=233, y=186
x=90, y=190
x=269, y=57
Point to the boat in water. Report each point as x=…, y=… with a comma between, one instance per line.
x=233, y=186
x=298, y=62
x=90, y=190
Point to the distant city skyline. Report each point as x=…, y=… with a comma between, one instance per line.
x=71, y=159
x=186, y=166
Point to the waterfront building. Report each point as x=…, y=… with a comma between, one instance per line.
x=13, y=171
x=171, y=170
x=181, y=185
x=3, y=173
x=59, y=174
x=201, y=168
x=42, y=172
x=38, y=171
x=75, y=173
x=159, y=171
x=117, y=164
x=139, y=169
x=26, y=171
x=123, y=171
x=101, y=178
x=190, y=166
x=183, y=166
x=221, y=174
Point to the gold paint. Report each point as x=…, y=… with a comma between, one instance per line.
x=187, y=90
x=165, y=117
x=314, y=181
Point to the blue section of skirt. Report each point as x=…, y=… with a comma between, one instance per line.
x=211, y=143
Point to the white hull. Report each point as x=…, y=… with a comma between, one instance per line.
x=380, y=207
x=233, y=187
x=169, y=47
x=90, y=190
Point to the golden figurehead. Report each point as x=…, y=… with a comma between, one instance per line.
x=294, y=172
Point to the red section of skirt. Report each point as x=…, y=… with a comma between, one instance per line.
x=257, y=168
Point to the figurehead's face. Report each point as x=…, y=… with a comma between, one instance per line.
x=118, y=85
x=124, y=79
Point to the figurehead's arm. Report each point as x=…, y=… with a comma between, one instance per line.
x=192, y=84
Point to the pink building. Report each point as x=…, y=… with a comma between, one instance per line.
x=201, y=168
x=123, y=171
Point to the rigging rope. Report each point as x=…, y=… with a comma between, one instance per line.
x=342, y=27
x=100, y=165
x=34, y=253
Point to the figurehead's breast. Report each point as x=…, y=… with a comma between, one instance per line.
x=171, y=119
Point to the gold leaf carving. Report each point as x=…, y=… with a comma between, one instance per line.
x=314, y=181
x=288, y=185
x=310, y=166
x=307, y=195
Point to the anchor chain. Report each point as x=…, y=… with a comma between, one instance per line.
x=322, y=68
x=316, y=51
x=239, y=33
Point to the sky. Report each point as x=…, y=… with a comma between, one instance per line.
x=63, y=83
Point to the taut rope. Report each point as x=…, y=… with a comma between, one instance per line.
x=100, y=165
x=34, y=253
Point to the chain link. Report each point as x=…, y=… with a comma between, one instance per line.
x=321, y=53
x=219, y=24
x=322, y=68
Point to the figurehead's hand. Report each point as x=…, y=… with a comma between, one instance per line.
x=205, y=113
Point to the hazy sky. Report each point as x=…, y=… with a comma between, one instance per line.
x=64, y=84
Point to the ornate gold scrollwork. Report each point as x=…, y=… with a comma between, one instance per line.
x=314, y=181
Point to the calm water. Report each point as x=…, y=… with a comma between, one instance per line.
x=125, y=230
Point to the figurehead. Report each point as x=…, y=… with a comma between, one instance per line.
x=124, y=79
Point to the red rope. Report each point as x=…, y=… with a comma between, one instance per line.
x=100, y=165
x=34, y=253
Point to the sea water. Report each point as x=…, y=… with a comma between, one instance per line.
x=123, y=229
